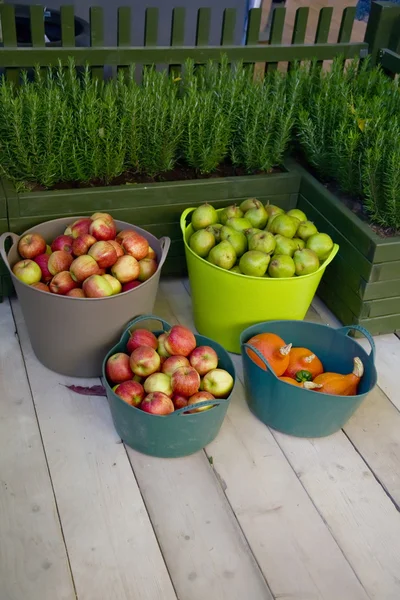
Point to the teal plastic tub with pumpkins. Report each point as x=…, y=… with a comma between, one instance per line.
x=179, y=433
x=297, y=411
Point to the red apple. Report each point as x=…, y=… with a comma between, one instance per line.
x=141, y=337
x=151, y=253
x=185, y=381
x=99, y=215
x=62, y=283
x=157, y=403
x=115, y=284
x=218, y=382
x=83, y=267
x=118, y=369
x=200, y=397
x=63, y=242
x=147, y=268
x=161, y=349
x=179, y=401
x=80, y=227
x=130, y=391
x=31, y=245
x=203, y=359
x=135, y=245
x=158, y=382
x=144, y=361
x=125, y=269
x=76, y=293
x=117, y=247
x=103, y=230
x=173, y=363
x=104, y=254
x=42, y=260
x=123, y=234
x=27, y=271
x=96, y=286
x=131, y=285
x=180, y=340
x=59, y=261
x=41, y=286
x=81, y=244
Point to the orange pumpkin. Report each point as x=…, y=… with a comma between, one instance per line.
x=341, y=385
x=308, y=385
x=273, y=348
x=302, y=359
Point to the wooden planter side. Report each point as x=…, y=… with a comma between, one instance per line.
x=362, y=284
x=156, y=207
x=5, y=279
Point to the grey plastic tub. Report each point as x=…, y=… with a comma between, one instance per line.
x=72, y=335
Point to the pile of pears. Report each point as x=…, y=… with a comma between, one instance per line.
x=259, y=241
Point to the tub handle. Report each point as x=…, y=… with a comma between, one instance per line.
x=214, y=402
x=185, y=213
x=165, y=243
x=262, y=358
x=166, y=326
x=3, y=238
x=346, y=330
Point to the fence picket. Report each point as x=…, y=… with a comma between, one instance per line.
x=228, y=27
x=97, y=36
x=323, y=27
x=67, y=26
x=346, y=24
x=203, y=26
x=37, y=26
x=300, y=27
x=177, y=35
x=9, y=30
x=124, y=31
x=275, y=38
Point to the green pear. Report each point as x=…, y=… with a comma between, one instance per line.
x=273, y=210
x=300, y=244
x=254, y=263
x=204, y=216
x=281, y=265
x=236, y=238
x=270, y=223
x=249, y=232
x=263, y=241
x=305, y=261
x=223, y=255
x=249, y=204
x=215, y=230
x=284, y=245
x=238, y=223
x=297, y=214
x=236, y=269
x=321, y=243
x=201, y=242
x=306, y=230
x=284, y=225
x=229, y=212
x=258, y=217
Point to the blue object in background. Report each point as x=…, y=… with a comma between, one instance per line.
x=364, y=7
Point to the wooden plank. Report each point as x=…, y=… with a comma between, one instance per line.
x=323, y=27
x=9, y=33
x=381, y=308
x=253, y=27
x=273, y=509
x=37, y=26
x=67, y=26
x=228, y=27
x=97, y=38
x=124, y=26
x=299, y=28
x=275, y=38
x=177, y=34
x=151, y=27
x=111, y=544
x=346, y=24
x=204, y=548
x=33, y=558
x=165, y=54
x=203, y=26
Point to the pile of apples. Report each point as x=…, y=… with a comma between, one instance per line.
x=90, y=260
x=160, y=375
x=259, y=241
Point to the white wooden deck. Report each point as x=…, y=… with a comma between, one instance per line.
x=270, y=516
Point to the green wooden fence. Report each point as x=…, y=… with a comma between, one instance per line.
x=382, y=39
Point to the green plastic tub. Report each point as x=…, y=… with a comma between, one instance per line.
x=225, y=303
x=173, y=435
x=297, y=411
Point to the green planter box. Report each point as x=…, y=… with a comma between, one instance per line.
x=5, y=280
x=362, y=285
x=156, y=207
